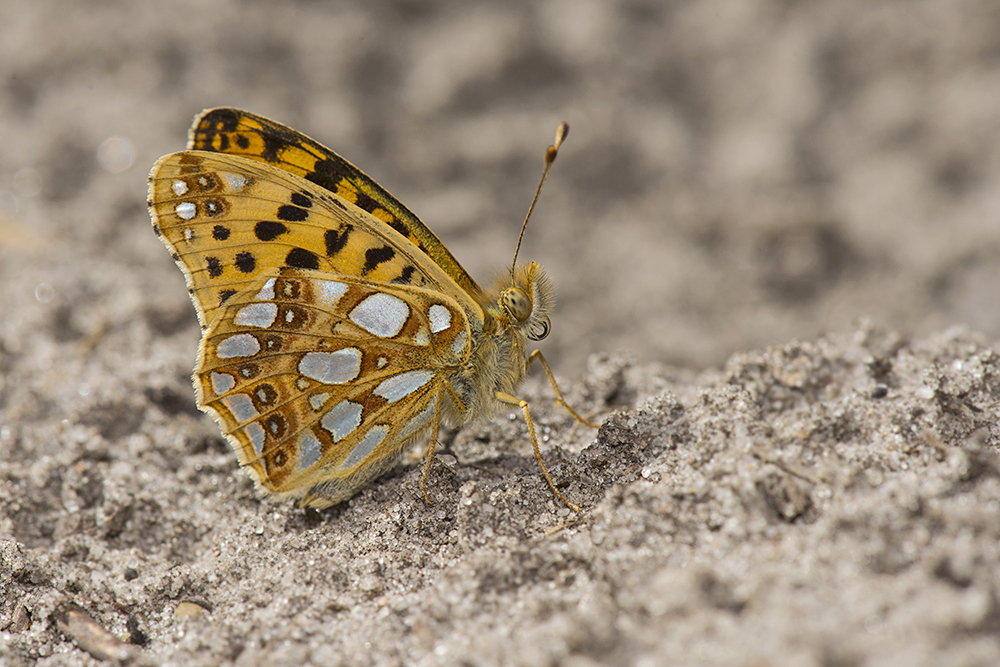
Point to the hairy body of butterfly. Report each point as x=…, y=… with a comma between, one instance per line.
x=337, y=329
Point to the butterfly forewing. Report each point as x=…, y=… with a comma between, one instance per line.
x=237, y=132
x=319, y=381
x=228, y=220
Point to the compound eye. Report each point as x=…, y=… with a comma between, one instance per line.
x=539, y=330
x=516, y=304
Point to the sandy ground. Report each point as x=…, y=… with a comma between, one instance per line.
x=739, y=175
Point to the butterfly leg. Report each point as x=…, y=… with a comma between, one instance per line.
x=510, y=400
x=537, y=354
x=429, y=455
x=432, y=445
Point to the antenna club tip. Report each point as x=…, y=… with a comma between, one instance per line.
x=561, y=133
x=550, y=155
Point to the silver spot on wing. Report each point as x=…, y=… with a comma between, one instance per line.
x=260, y=315
x=332, y=367
x=373, y=438
x=241, y=407
x=342, y=419
x=238, y=345
x=381, y=315
x=310, y=449
x=222, y=382
x=400, y=386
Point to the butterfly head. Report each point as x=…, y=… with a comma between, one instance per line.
x=526, y=299
x=526, y=294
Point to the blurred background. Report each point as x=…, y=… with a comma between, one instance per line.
x=739, y=172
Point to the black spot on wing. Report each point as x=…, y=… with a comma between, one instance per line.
x=215, y=124
x=220, y=233
x=205, y=182
x=245, y=262
x=225, y=294
x=324, y=174
x=222, y=120
x=405, y=276
x=277, y=460
x=242, y=141
x=268, y=230
x=293, y=317
x=300, y=258
x=375, y=256
x=215, y=207
x=271, y=342
x=301, y=199
x=290, y=290
x=399, y=227
x=214, y=267
x=249, y=371
x=336, y=239
x=264, y=396
x=272, y=148
x=366, y=203
x=277, y=426
x=292, y=213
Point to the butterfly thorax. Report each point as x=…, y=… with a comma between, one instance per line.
x=516, y=312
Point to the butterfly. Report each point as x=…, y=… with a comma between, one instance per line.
x=337, y=329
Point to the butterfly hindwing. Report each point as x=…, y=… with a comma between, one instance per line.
x=307, y=374
x=228, y=220
x=237, y=132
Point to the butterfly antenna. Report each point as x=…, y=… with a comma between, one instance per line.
x=550, y=156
